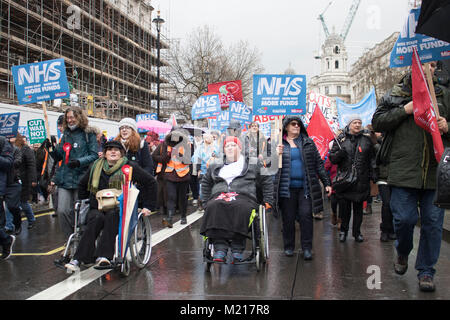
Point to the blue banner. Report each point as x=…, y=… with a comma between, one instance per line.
x=365, y=109
x=279, y=94
x=429, y=49
x=146, y=116
x=206, y=106
x=240, y=111
x=9, y=124
x=41, y=81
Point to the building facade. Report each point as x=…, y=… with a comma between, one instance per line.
x=109, y=48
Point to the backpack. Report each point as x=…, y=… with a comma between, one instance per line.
x=442, y=194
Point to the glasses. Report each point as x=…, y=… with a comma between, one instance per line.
x=125, y=128
x=294, y=124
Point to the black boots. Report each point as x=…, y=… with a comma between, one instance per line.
x=183, y=218
x=168, y=222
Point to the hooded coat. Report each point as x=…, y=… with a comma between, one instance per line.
x=314, y=168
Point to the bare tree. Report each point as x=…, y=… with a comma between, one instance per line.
x=204, y=59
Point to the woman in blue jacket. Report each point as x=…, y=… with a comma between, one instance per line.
x=297, y=185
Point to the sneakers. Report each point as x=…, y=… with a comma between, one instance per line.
x=237, y=257
x=194, y=202
x=102, y=263
x=307, y=255
x=318, y=216
x=219, y=256
x=289, y=252
x=72, y=266
x=359, y=238
x=401, y=265
x=7, y=248
x=342, y=236
x=384, y=237
x=426, y=283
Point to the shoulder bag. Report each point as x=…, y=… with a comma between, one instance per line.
x=442, y=194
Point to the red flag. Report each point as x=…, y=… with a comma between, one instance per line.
x=319, y=130
x=424, y=114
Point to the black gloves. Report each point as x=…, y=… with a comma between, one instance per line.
x=73, y=164
x=47, y=144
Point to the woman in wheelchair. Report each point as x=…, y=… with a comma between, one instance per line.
x=106, y=173
x=229, y=197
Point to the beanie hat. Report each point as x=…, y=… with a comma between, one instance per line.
x=128, y=122
x=113, y=144
x=352, y=117
x=232, y=139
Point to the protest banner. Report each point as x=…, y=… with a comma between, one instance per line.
x=36, y=131
x=428, y=48
x=9, y=124
x=228, y=91
x=146, y=116
x=365, y=109
x=240, y=111
x=279, y=94
x=206, y=106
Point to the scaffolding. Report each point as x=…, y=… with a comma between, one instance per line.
x=109, y=48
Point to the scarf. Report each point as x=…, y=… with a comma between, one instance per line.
x=115, y=173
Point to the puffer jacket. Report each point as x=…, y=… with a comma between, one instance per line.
x=314, y=168
x=244, y=184
x=84, y=149
x=359, y=149
x=411, y=161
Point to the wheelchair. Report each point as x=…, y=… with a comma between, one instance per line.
x=258, y=234
x=139, y=247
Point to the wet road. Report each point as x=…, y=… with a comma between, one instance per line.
x=342, y=271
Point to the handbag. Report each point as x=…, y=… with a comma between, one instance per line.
x=345, y=179
x=107, y=199
x=442, y=194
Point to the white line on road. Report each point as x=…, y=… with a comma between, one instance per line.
x=80, y=279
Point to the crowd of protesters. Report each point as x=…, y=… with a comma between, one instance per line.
x=360, y=160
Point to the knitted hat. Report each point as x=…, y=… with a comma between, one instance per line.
x=352, y=117
x=232, y=139
x=128, y=122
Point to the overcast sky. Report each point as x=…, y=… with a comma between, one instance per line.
x=286, y=32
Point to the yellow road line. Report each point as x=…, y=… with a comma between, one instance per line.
x=40, y=254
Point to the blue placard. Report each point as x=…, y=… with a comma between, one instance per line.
x=429, y=49
x=41, y=81
x=365, y=109
x=279, y=94
x=206, y=106
x=240, y=111
x=146, y=116
x=9, y=124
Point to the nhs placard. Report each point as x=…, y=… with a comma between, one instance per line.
x=41, y=81
x=240, y=111
x=206, y=106
x=146, y=116
x=276, y=94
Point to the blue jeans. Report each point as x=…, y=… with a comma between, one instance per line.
x=404, y=205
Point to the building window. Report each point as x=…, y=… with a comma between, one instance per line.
x=337, y=50
x=339, y=90
x=327, y=90
x=336, y=64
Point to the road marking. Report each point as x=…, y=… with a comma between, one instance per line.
x=80, y=279
x=40, y=254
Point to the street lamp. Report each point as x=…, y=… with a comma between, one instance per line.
x=158, y=22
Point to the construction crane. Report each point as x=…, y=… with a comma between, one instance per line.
x=348, y=22
x=325, y=28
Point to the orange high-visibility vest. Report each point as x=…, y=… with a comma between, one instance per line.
x=180, y=168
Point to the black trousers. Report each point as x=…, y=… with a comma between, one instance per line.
x=299, y=208
x=12, y=201
x=108, y=222
x=387, y=223
x=177, y=191
x=345, y=212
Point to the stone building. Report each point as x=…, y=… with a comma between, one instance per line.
x=372, y=70
x=333, y=80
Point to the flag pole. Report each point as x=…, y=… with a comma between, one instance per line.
x=431, y=87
